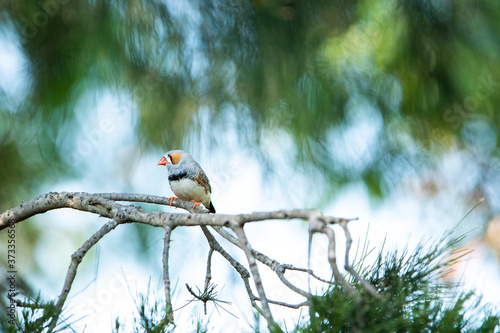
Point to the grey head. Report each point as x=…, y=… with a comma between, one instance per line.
x=178, y=160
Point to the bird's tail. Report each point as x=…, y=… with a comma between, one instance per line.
x=211, y=209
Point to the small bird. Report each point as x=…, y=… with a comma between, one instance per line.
x=187, y=179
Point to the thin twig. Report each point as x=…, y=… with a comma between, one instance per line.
x=306, y=270
x=317, y=224
x=244, y=274
x=245, y=245
x=288, y=305
x=76, y=259
x=276, y=266
x=208, y=276
x=166, y=279
x=351, y=270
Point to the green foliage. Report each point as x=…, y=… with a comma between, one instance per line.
x=423, y=75
x=148, y=318
x=414, y=298
x=152, y=314
x=36, y=316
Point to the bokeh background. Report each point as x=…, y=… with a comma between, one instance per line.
x=381, y=109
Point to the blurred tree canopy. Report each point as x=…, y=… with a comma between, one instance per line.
x=368, y=90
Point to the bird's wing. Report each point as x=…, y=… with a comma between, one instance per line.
x=197, y=174
x=204, y=179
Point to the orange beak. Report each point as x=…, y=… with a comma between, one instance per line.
x=163, y=161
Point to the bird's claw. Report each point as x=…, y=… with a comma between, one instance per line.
x=195, y=203
x=171, y=199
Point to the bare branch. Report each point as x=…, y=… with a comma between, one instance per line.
x=153, y=199
x=288, y=305
x=91, y=203
x=317, y=224
x=94, y=203
x=105, y=205
x=244, y=274
x=208, y=276
x=166, y=278
x=245, y=245
x=351, y=270
x=306, y=270
x=76, y=259
x=277, y=267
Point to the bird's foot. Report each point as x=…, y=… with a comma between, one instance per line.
x=195, y=203
x=171, y=199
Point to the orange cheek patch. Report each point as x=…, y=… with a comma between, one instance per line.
x=175, y=158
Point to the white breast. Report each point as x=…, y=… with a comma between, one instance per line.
x=187, y=189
